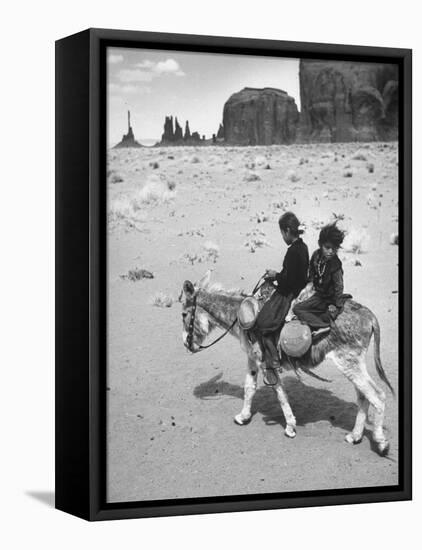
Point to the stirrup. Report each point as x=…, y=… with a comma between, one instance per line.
x=269, y=376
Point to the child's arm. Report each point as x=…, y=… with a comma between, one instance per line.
x=338, y=287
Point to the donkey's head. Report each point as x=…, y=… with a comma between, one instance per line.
x=196, y=322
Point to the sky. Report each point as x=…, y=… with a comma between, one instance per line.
x=193, y=86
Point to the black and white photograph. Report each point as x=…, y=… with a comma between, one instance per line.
x=252, y=274
x=210, y=237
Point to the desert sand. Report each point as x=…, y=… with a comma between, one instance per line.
x=176, y=212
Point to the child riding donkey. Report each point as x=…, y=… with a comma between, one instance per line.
x=288, y=284
x=326, y=279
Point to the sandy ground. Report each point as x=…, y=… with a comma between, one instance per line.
x=170, y=414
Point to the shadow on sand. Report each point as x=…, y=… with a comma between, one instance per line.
x=309, y=404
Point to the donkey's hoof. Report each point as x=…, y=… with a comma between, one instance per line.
x=383, y=448
x=241, y=420
x=290, y=432
x=352, y=439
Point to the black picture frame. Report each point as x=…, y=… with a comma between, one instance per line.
x=81, y=273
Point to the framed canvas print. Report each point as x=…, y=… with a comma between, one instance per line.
x=233, y=274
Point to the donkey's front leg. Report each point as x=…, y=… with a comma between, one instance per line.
x=290, y=429
x=245, y=415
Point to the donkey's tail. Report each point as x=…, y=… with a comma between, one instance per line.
x=377, y=358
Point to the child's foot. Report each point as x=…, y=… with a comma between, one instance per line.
x=270, y=376
x=320, y=332
x=270, y=373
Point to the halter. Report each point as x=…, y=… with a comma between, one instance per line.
x=189, y=338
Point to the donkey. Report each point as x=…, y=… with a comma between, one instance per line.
x=206, y=306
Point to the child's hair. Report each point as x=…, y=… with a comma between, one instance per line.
x=330, y=233
x=289, y=221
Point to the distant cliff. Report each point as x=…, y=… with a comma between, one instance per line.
x=260, y=116
x=348, y=101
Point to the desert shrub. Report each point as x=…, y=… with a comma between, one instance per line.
x=371, y=200
x=292, y=176
x=356, y=241
x=260, y=161
x=260, y=217
x=160, y=299
x=347, y=174
x=154, y=165
x=359, y=155
x=211, y=251
x=251, y=176
x=120, y=207
x=195, y=159
x=155, y=190
x=338, y=217
x=137, y=274
x=114, y=177
x=370, y=167
x=255, y=239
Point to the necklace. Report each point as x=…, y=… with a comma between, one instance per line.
x=321, y=267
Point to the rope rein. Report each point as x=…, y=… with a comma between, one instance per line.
x=189, y=338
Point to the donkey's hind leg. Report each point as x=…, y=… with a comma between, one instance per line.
x=245, y=414
x=353, y=366
x=355, y=436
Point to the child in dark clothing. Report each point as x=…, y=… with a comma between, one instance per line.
x=326, y=277
x=289, y=282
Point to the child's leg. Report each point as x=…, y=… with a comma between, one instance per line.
x=313, y=312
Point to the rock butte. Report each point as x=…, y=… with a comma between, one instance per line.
x=256, y=116
x=173, y=134
x=341, y=101
x=128, y=140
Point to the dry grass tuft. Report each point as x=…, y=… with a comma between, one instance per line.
x=292, y=176
x=251, y=176
x=155, y=190
x=137, y=274
x=209, y=252
x=356, y=241
x=114, y=177
x=256, y=239
x=160, y=299
x=359, y=155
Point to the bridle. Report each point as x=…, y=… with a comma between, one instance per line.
x=189, y=337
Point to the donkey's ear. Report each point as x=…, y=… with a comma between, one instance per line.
x=205, y=280
x=188, y=289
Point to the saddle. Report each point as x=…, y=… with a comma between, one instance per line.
x=252, y=305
